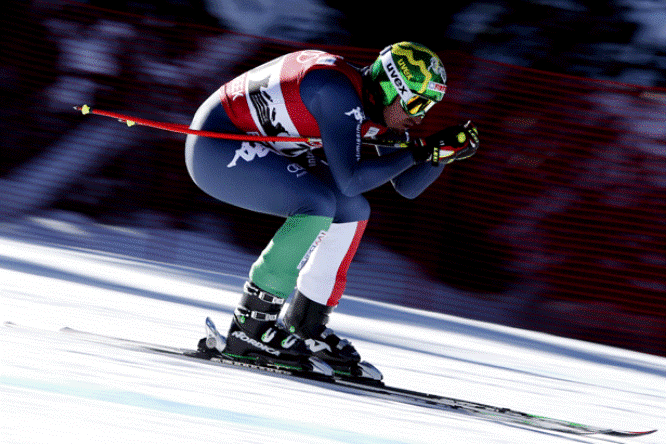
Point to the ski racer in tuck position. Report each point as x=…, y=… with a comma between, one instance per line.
x=317, y=94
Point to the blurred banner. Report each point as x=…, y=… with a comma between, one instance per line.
x=558, y=224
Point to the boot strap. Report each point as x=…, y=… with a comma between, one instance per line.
x=258, y=315
x=255, y=291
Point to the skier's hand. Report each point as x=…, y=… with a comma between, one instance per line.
x=422, y=152
x=453, y=143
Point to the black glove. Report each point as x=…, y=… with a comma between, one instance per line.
x=422, y=152
x=452, y=143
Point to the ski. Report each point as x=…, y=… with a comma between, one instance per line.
x=355, y=384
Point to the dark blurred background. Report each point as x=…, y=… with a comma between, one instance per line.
x=556, y=225
x=622, y=40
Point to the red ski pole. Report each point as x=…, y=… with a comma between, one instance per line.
x=184, y=129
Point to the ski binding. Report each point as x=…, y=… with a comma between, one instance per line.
x=215, y=343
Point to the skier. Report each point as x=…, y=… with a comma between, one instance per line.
x=317, y=94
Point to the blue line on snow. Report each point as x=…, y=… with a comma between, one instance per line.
x=132, y=399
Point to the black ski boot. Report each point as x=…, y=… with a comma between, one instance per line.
x=255, y=334
x=308, y=320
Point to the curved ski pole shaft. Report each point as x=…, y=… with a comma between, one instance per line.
x=184, y=129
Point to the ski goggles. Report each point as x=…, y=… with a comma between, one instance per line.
x=417, y=105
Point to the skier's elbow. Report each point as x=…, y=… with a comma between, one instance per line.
x=408, y=194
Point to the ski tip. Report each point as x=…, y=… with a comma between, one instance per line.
x=628, y=434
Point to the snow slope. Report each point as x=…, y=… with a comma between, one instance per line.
x=57, y=387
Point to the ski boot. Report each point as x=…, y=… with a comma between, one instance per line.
x=256, y=335
x=308, y=320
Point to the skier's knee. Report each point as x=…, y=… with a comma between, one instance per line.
x=321, y=203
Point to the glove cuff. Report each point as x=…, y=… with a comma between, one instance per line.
x=420, y=151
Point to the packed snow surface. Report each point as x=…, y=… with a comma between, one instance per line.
x=59, y=387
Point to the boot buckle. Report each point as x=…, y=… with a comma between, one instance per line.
x=257, y=315
x=265, y=296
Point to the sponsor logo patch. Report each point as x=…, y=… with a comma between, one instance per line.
x=245, y=338
x=437, y=87
x=314, y=245
x=317, y=346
